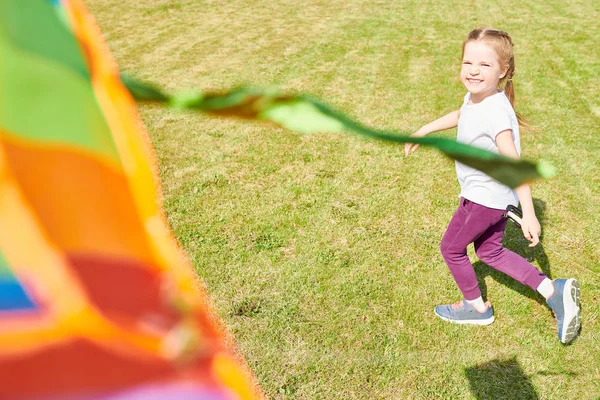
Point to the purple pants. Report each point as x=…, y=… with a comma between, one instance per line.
x=484, y=227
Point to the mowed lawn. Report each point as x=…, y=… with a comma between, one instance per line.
x=321, y=252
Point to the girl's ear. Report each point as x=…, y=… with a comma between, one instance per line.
x=503, y=74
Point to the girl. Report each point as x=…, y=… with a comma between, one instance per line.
x=487, y=119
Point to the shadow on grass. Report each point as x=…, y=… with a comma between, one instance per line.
x=514, y=241
x=500, y=379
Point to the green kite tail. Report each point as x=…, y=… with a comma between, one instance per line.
x=306, y=115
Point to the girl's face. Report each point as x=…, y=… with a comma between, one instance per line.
x=481, y=70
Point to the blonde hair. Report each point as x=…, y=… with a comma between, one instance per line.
x=502, y=43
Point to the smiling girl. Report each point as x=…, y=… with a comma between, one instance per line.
x=487, y=120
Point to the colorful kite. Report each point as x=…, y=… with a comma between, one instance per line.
x=96, y=299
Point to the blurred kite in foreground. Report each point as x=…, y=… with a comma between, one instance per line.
x=96, y=299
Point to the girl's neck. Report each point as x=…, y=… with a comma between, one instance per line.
x=479, y=97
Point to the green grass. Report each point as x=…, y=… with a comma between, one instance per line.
x=321, y=252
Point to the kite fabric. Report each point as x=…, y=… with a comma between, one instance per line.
x=96, y=299
x=306, y=115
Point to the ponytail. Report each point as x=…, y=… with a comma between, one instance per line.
x=509, y=91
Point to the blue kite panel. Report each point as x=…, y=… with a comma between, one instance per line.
x=13, y=297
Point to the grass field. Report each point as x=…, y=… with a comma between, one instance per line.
x=321, y=253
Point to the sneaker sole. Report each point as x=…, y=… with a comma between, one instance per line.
x=572, y=318
x=467, y=321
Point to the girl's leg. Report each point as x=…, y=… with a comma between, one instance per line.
x=469, y=222
x=565, y=302
x=489, y=250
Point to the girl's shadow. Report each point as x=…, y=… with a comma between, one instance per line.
x=500, y=379
x=514, y=241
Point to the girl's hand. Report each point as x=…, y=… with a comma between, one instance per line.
x=448, y=121
x=410, y=148
x=531, y=229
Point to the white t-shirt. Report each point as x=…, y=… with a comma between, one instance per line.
x=478, y=126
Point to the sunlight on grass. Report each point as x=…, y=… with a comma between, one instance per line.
x=321, y=252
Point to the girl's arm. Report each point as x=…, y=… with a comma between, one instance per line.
x=441, y=124
x=530, y=225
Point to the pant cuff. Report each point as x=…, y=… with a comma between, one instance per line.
x=472, y=294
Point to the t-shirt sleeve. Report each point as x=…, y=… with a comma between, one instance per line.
x=499, y=121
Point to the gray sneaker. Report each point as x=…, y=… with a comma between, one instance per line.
x=464, y=313
x=565, y=304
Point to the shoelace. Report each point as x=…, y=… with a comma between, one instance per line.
x=458, y=304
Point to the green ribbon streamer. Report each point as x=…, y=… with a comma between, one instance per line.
x=306, y=115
